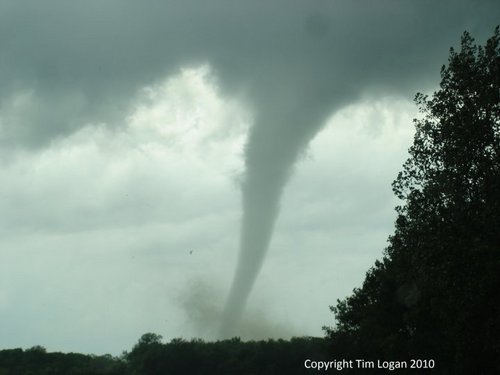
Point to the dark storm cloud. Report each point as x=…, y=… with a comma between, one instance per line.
x=64, y=64
x=84, y=61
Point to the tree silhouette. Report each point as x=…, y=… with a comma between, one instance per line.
x=435, y=292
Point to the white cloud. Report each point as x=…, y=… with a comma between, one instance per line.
x=180, y=144
x=99, y=226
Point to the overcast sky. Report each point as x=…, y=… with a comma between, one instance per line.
x=128, y=131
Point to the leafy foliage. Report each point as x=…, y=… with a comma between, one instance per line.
x=37, y=361
x=435, y=292
x=150, y=356
x=225, y=357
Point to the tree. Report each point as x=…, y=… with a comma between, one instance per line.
x=145, y=355
x=435, y=292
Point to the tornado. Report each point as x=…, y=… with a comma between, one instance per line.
x=280, y=135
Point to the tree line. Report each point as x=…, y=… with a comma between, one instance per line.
x=151, y=356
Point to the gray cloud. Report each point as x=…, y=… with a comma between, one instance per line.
x=83, y=62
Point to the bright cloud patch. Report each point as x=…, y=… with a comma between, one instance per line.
x=180, y=142
x=110, y=219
